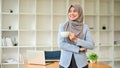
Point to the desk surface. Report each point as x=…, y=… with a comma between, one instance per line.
x=98, y=65
x=51, y=65
x=56, y=65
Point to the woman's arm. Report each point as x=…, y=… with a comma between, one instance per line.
x=87, y=42
x=65, y=45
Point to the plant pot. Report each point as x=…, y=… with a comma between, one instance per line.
x=93, y=61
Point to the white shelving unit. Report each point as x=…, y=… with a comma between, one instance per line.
x=0, y=37
x=116, y=51
x=33, y=25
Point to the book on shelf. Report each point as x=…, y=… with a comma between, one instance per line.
x=7, y=41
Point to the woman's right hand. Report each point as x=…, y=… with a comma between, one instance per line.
x=72, y=37
x=83, y=49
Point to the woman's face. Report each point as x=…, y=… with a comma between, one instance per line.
x=73, y=14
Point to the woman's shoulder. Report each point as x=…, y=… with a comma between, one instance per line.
x=86, y=26
x=61, y=24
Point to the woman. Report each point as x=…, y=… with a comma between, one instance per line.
x=73, y=48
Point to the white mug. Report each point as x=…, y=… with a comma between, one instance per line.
x=65, y=34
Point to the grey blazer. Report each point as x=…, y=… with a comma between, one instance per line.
x=67, y=48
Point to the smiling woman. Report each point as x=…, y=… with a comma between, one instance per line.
x=74, y=46
x=73, y=14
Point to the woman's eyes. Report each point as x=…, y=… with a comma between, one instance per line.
x=72, y=11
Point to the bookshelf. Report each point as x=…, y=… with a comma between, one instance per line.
x=33, y=25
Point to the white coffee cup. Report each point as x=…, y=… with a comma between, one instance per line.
x=64, y=34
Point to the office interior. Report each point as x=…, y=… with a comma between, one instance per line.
x=33, y=25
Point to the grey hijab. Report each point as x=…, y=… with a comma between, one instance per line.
x=75, y=26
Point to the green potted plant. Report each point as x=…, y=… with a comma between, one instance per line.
x=92, y=57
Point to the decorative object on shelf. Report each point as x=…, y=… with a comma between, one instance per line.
x=117, y=42
x=21, y=59
x=14, y=41
x=15, y=44
x=8, y=41
x=92, y=57
x=91, y=27
x=11, y=11
x=4, y=43
x=10, y=60
x=9, y=27
x=104, y=27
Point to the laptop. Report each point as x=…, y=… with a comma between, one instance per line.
x=36, y=57
x=52, y=55
x=42, y=57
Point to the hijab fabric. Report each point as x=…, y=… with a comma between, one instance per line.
x=75, y=26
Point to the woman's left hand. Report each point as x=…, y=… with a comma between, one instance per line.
x=83, y=49
x=72, y=37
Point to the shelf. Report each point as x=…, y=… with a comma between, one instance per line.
x=43, y=22
x=22, y=53
x=75, y=1
x=9, y=38
x=43, y=3
x=27, y=30
x=12, y=5
x=59, y=6
x=55, y=34
x=10, y=66
x=90, y=7
x=117, y=0
x=44, y=38
x=116, y=23
x=7, y=13
x=117, y=37
x=106, y=23
x=10, y=53
x=91, y=21
x=27, y=6
x=5, y=47
x=96, y=50
x=105, y=53
x=27, y=13
x=9, y=22
x=44, y=48
x=26, y=45
x=116, y=7
x=9, y=63
x=116, y=64
x=117, y=45
x=27, y=22
x=9, y=30
x=108, y=63
x=106, y=38
x=21, y=66
x=116, y=52
x=106, y=7
x=56, y=48
x=106, y=45
x=117, y=59
x=104, y=60
x=58, y=19
x=95, y=36
x=28, y=36
x=105, y=30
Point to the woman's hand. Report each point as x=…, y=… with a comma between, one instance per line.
x=83, y=49
x=72, y=37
